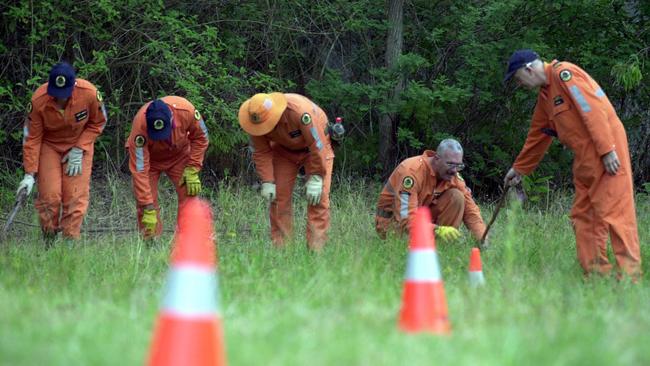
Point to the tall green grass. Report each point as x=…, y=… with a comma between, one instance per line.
x=94, y=302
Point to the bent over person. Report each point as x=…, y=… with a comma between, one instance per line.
x=430, y=180
x=168, y=136
x=66, y=115
x=287, y=131
x=574, y=108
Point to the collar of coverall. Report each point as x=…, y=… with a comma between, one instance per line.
x=429, y=154
x=548, y=70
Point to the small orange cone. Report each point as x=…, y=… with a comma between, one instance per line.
x=188, y=330
x=424, y=304
x=476, y=278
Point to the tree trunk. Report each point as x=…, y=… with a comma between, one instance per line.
x=388, y=122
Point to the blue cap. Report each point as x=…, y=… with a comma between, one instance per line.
x=61, y=81
x=159, y=120
x=518, y=59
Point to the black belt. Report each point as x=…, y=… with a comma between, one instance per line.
x=384, y=214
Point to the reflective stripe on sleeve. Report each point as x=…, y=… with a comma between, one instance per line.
x=314, y=134
x=191, y=292
x=25, y=134
x=404, y=205
x=105, y=116
x=577, y=95
x=600, y=93
x=203, y=127
x=423, y=266
x=139, y=159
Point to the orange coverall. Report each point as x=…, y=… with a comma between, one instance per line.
x=573, y=106
x=413, y=184
x=148, y=158
x=279, y=155
x=49, y=134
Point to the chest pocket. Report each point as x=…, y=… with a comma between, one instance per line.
x=561, y=113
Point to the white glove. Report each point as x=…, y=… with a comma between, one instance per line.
x=611, y=162
x=27, y=182
x=314, y=188
x=73, y=157
x=512, y=178
x=268, y=191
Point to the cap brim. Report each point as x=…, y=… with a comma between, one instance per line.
x=61, y=93
x=509, y=76
x=264, y=127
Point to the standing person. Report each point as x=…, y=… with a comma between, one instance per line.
x=168, y=136
x=573, y=107
x=66, y=115
x=431, y=180
x=287, y=131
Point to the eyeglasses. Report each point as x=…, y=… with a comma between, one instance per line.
x=457, y=166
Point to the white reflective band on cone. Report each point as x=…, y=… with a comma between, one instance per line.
x=476, y=278
x=422, y=265
x=191, y=292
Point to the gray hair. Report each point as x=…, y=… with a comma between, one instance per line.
x=449, y=144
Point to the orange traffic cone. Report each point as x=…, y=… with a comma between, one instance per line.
x=188, y=330
x=424, y=305
x=476, y=269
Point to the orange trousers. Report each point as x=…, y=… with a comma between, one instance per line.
x=446, y=210
x=607, y=207
x=62, y=200
x=285, y=169
x=174, y=170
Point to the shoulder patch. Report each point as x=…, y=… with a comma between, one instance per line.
x=408, y=182
x=140, y=141
x=565, y=75
x=197, y=115
x=305, y=119
x=29, y=107
x=100, y=98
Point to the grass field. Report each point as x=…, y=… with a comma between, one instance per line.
x=94, y=302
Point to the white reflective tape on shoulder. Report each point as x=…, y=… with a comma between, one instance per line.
x=139, y=159
x=191, y=292
x=422, y=266
x=600, y=93
x=25, y=133
x=580, y=98
x=404, y=205
x=314, y=134
x=203, y=127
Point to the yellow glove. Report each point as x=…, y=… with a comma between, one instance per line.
x=447, y=233
x=191, y=180
x=149, y=221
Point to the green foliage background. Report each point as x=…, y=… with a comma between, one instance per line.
x=218, y=53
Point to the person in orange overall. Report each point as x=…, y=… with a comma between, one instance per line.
x=574, y=108
x=287, y=131
x=168, y=136
x=432, y=180
x=66, y=115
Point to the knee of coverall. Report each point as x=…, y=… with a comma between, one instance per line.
x=381, y=226
x=449, y=209
x=48, y=206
